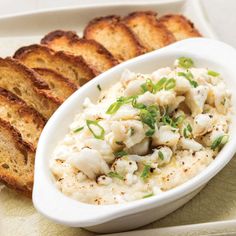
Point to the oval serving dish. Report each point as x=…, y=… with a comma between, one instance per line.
x=53, y=204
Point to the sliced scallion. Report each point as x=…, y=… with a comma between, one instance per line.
x=160, y=155
x=115, y=175
x=170, y=84
x=146, y=172
x=148, y=195
x=213, y=73
x=119, y=154
x=185, y=62
x=219, y=142
x=78, y=129
x=100, y=134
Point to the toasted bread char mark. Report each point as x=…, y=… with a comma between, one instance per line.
x=93, y=52
x=26, y=84
x=25, y=119
x=71, y=67
x=180, y=26
x=115, y=36
x=150, y=32
x=16, y=160
x=60, y=86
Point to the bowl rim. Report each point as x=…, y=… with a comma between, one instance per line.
x=109, y=212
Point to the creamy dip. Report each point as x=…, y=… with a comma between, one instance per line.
x=146, y=134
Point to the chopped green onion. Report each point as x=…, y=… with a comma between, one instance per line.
x=189, y=77
x=148, y=86
x=170, y=84
x=220, y=141
x=167, y=120
x=137, y=105
x=185, y=62
x=119, y=154
x=147, y=118
x=146, y=172
x=187, y=131
x=148, y=195
x=119, y=143
x=160, y=84
x=114, y=107
x=179, y=120
x=150, y=132
x=132, y=131
x=160, y=155
x=213, y=73
x=99, y=87
x=78, y=129
x=91, y=123
x=115, y=175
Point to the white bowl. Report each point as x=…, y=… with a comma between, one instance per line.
x=49, y=201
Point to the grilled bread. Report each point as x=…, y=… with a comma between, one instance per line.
x=26, y=84
x=60, y=86
x=22, y=117
x=151, y=33
x=16, y=159
x=72, y=67
x=115, y=36
x=94, y=53
x=179, y=26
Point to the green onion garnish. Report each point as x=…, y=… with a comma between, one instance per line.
x=99, y=135
x=150, y=132
x=148, y=195
x=114, y=107
x=189, y=77
x=119, y=154
x=147, y=118
x=146, y=172
x=219, y=142
x=78, y=129
x=99, y=87
x=137, y=105
x=179, y=120
x=132, y=131
x=170, y=84
x=148, y=86
x=160, y=155
x=115, y=175
x=213, y=73
x=187, y=131
x=160, y=84
x=185, y=62
x=119, y=143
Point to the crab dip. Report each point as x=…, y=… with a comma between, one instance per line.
x=146, y=134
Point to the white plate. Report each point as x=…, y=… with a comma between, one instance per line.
x=23, y=29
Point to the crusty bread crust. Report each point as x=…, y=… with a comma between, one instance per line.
x=16, y=164
x=93, y=52
x=60, y=86
x=25, y=119
x=115, y=36
x=27, y=85
x=180, y=26
x=59, y=34
x=150, y=32
x=72, y=67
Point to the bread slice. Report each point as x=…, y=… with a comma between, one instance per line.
x=25, y=119
x=99, y=58
x=26, y=84
x=16, y=160
x=115, y=36
x=150, y=32
x=72, y=67
x=179, y=26
x=60, y=86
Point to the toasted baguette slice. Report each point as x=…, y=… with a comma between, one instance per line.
x=115, y=36
x=16, y=160
x=71, y=67
x=25, y=119
x=150, y=32
x=60, y=86
x=179, y=26
x=26, y=84
x=94, y=53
